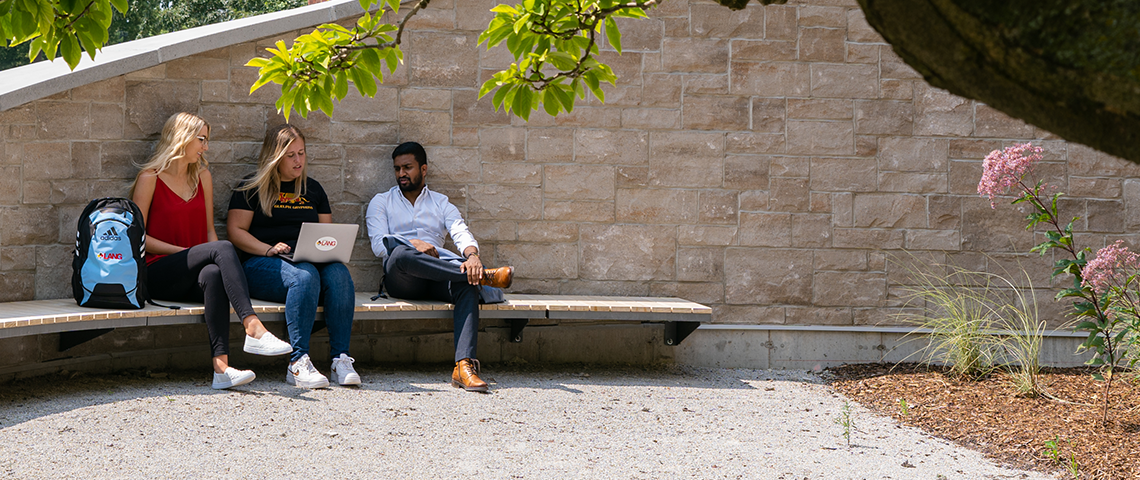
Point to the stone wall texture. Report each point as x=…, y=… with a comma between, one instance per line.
x=772, y=163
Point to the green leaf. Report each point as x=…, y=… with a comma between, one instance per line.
x=392, y=60
x=591, y=80
x=612, y=34
x=522, y=102
x=1086, y=325
x=35, y=48
x=323, y=98
x=341, y=88
x=507, y=9
x=88, y=43
x=521, y=22
x=562, y=60
x=284, y=103
x=364, y=81
x=370, y=60
x=500, y=99
x=565, y=96
x=69, y=49
x=550, y=101
x=487, y=87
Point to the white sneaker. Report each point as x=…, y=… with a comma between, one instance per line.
x=268, y=344
x=302, y=373
x=232, y=378
x=343, y=372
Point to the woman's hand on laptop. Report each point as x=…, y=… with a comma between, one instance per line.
x=275, y=250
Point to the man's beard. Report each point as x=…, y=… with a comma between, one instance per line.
x=411, y=186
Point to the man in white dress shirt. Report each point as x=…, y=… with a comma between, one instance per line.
x=406, y=226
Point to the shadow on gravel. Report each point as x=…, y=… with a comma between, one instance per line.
x=27, y=399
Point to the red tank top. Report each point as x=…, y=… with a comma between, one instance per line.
x=174, y=220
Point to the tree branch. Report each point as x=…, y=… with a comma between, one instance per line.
x=77, y=17
x=400, y=31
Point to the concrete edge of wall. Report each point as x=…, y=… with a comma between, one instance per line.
x=817, y=347
x=32, y=82
x=183, y=347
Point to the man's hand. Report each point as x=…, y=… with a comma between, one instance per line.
x=473, y=267
x=424, y=247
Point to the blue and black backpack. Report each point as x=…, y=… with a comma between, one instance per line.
x=108, y=270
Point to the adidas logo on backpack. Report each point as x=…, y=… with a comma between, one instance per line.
x=110, y=235
x=108, y=269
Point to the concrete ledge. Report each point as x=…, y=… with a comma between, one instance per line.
x=24, y=84
x=808, y=347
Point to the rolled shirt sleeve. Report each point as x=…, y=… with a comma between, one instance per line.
x=458, y=228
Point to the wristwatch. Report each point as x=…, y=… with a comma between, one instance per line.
x=468, y=257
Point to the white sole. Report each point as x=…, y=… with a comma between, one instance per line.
x=348, y=381
x=263, y=352
x=247, y=348
x=290, y=379
x=217, y=386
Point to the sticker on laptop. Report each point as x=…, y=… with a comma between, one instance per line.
x=325, y=244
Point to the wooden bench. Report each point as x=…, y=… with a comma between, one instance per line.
x=77, y=325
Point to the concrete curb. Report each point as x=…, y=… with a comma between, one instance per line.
x=32, y=82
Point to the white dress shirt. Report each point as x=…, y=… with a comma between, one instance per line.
x=391, y=214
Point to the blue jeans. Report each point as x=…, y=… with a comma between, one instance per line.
x=301, y=287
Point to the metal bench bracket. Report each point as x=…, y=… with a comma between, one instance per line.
x=676, y=332
x=517, y=326
x=67, y=340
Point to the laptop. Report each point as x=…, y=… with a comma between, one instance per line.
x=323, y=243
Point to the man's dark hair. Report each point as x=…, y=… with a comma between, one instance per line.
x=413, y=148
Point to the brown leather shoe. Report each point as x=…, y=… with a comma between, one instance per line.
x=466, y=376
x=498, y=277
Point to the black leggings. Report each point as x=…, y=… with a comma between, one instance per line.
x=209, y=273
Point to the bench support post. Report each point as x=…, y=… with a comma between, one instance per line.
x=676, y=332
x=67, y=340
x=517, y=326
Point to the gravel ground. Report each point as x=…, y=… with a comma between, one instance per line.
x=408, y=422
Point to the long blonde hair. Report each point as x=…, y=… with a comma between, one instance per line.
x=267, y=181
x=180, y=129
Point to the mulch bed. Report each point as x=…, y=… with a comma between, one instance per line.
x=988, y=415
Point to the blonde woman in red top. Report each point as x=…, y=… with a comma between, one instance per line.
x=185, y=260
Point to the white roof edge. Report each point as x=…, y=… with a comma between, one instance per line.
x=32, y=82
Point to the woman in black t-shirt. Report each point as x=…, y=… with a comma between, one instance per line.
x=265, y=217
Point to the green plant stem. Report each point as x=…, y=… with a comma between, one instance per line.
x=1101, y=316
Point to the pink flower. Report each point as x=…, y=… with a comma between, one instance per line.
x=1111, y=265
x=1005, y=168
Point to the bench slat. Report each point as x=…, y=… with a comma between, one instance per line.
x=39, y=316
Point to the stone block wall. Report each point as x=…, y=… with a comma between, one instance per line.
x=768, y=162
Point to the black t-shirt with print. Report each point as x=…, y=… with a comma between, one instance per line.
x=288, y=212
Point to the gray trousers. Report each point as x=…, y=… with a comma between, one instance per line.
x=413, y=275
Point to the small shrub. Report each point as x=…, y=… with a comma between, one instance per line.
x=978, y=322
x=958, y=316
x=1022, y=344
